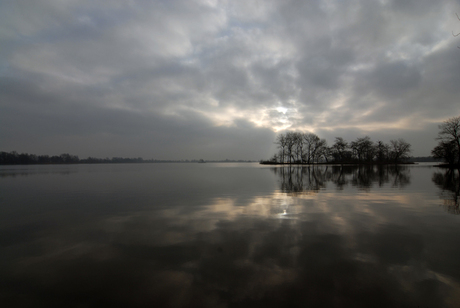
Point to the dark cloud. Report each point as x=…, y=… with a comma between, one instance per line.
x=139, y=73
x=393, y=79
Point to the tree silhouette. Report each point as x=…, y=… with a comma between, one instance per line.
x=308, y=148
x=457, y=33
x=399, y=150
x=449, y=136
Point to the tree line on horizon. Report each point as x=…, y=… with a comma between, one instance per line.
x=15, y=158
x=308, y=148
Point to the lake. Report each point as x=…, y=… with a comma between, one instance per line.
x=229, y=235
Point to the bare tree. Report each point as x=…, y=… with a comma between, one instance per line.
x=325, y=152
x=281, y=142
x=298, y=144
x=363, y=148
x=318, y=147
x=399, y=149
x=310, y=140
x=295, y=147
x=453, y=31
x=447, y=151
x=340, y=148
x=381, y=151
x=290, y=145
x=450, y=133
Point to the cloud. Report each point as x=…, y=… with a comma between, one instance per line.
x=331, y=65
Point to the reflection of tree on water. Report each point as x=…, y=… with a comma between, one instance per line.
x=449, y=182
x=297, y=179
x=300, y=179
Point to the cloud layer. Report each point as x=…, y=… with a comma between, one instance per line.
x=218, y=79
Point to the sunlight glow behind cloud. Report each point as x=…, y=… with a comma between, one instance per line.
x=341, y=67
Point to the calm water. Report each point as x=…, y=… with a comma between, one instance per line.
x=228, y=235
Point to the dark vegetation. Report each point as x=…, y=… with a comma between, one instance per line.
x=423, y=159
x=308, y=148
x=14, y=158
x=448, y=148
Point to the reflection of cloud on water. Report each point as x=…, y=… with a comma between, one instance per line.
x=348, y=214
x=331, y=248
x=227, y=253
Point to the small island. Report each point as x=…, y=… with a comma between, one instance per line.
x=308, y=148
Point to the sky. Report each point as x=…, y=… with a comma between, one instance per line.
x=213, y=79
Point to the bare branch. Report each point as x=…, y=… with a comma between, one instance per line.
x=455, y=35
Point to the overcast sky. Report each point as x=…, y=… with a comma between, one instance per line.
x=219, y=79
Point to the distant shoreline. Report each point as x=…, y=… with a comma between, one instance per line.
x=15, y=158
x=143, y=162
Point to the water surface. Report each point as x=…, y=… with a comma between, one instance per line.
x=228, y=235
